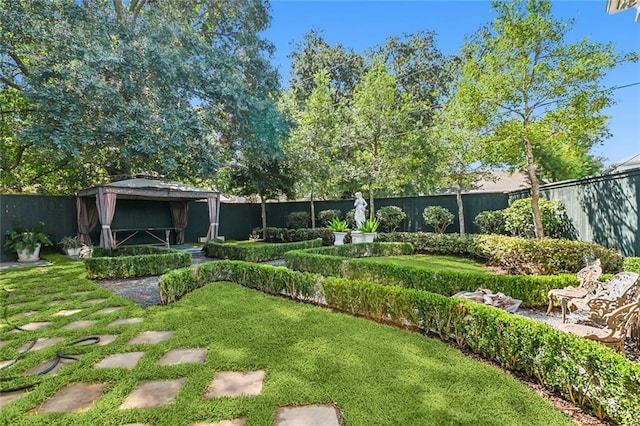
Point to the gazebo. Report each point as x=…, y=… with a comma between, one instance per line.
x=98, y=205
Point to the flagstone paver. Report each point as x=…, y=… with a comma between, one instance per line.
x=28, y=313
x=105, y=339
x=151, y=337
x=79, y=324
x=73, y=397
x=186, y=355
x=234, y=422
x=56, y=302
x=5, y=363
x=82, y=293
x=109, y=310
x=307, y=415
x=122, y=360
x=4, y=342
x=42, y=342
x=38, y=369
x=235, y=383
x=153, y=393
x=32, y=326
x=8, y=397
x=125, y=321
x=94, y=301
x=67, y=312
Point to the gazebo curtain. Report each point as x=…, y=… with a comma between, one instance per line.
x=212, y=203
x=87, y=216
x=179, y=216
x=109, y=201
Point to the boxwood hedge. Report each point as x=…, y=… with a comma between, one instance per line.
x=134, y=261
x=256, y=252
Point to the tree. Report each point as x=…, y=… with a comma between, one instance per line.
x=537, y=90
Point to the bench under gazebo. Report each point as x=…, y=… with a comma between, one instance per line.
x=97, y=205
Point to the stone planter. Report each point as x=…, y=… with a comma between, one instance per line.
x=369, y=236
x=357, y=237
x=73, y=252
x=25, y=257
x=338, y=238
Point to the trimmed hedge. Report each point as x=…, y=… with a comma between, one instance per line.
x=284, y=235
x=537, y=256
x=631, y=264
x=134, y=261
x=585, y=372
x=258, y=252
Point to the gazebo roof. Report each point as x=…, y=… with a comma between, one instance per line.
x=151, y=189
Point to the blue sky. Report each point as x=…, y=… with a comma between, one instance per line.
x=363, y=24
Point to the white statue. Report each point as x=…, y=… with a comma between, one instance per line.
x=360, y=204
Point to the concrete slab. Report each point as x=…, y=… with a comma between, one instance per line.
x=67, y=312
x=125, y=321
x=235, y=383
x=182, y=356
x=308, y=415
x=94, y=301
x=233, y=422
x=153, y=393
x=123, y=360
x=79, y=324
x=8, y=397
x=151, y=337
x=109, y=310
x=73, y=397
x=40, y=343
x=38, y=369
x=33, y=326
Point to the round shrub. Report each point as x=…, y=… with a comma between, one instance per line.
x=297, y=220
x=555, y=222
x=327, y=216
x=390, y=217
x=437, y=217
x=491, y=222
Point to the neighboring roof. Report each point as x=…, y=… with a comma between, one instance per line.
x=629, y=163
x=502, y=181
x=615, y=6
x=151, y=189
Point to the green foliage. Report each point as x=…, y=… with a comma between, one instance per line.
x=555, y=222
x=327, y=216
x=491, y=222
x=437, y=217
x=338, y=225
x=256, y=252
x=297, y=220
x=431, y=243
x=284, y=235
x=390, y=217
x=70, y=242
x=369, y=225
x=544, y=255
x=631, y=264
x=27, y=239
x=134, y=261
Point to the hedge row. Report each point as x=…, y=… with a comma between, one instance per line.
x=631, y=264
x=256, y=252
x=134, y=261
x=532, y=290
x=285, y=235
x=525, y=256
x=585, y=372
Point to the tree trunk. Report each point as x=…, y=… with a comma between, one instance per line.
x=263, y=214
x=371, y=203
x=460, y=210
x=313, y=212
x=535, y=191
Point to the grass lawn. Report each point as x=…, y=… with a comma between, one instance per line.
x=375, y=374
x=437, y=263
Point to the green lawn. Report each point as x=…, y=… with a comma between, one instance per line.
x=437, y=263
x=375, y=374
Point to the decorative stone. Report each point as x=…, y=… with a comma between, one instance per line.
x=235, y=383
x=125, y=321
x=79, y=324
x=180, y=356
x=124, y=360
x=307, y=415
x=151, y=337
x=153, y=393
x=73, y=397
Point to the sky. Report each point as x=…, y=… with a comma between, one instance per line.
x=361, y=25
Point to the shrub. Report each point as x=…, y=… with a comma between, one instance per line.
x=430, y=243
x=327, y=216
x=283, y=235
x=437, y=217
x=631, y=264
x=257, y=252
x=555, y=222
x=390, y=217
x=297, y=220
x=491, y=222
x=134, y=261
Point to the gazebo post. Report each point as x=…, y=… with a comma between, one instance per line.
x=103, y=218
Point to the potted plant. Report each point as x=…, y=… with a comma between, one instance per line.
x=340, y=230
x=71, y=245
x=27, y=242
x=369, y=228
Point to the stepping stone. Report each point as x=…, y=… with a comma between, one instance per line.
x=38, y=369
x=180, y=356
x=73, y=397
x=235, y=383
x=40, y=343
x=125, y=321
x=307, y=415
x=109, y=310
x=56, y=302
x=4, y=342
x=67, y=312
x=138, y=424
x=105, y=339
x=234, y=422
x=8, y=397
x=5, y=363
x=151, y=337
x=124, y=360
x=28, y=313
x=33, y=326
x=153, y=393
x=79, y=324
x=81, y=293
x=94, y=301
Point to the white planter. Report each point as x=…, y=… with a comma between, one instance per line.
x=25, y=257
x=339, y=238
x=74, y=252
x=357, y=237
x=369, y=237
